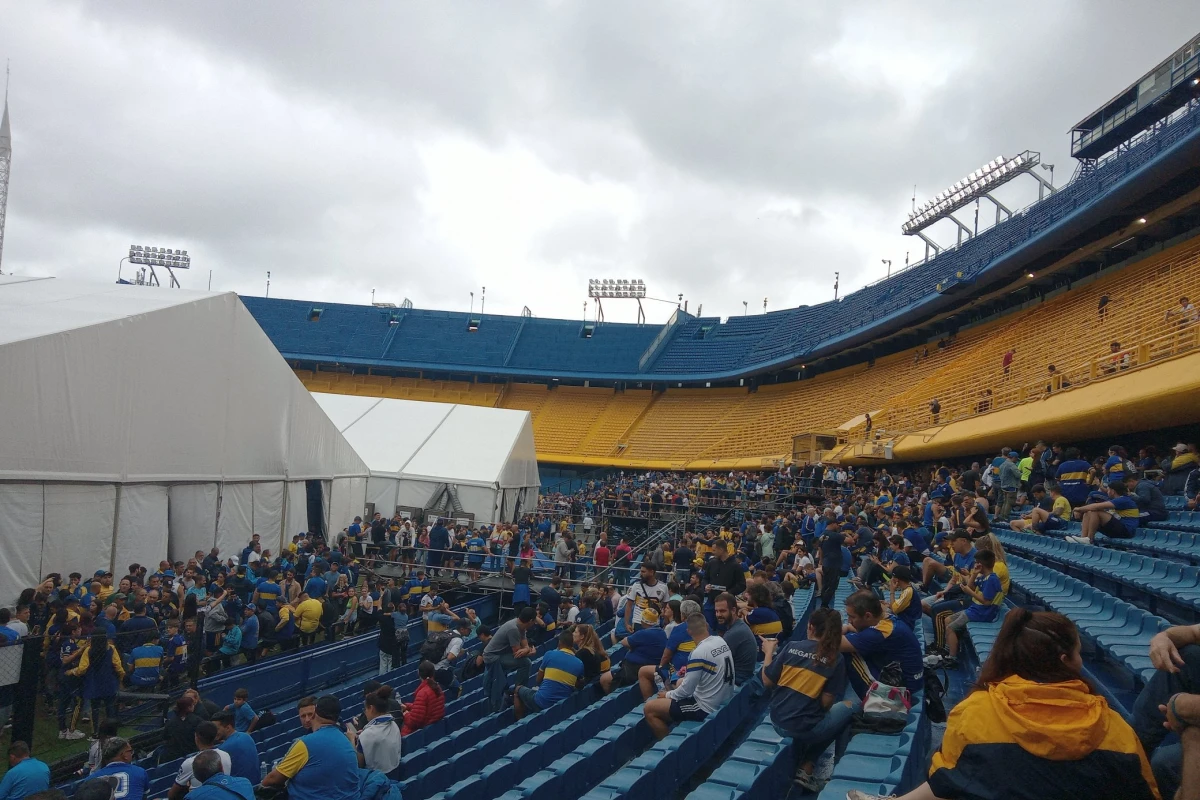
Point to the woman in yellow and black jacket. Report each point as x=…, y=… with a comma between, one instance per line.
x=1035, y=729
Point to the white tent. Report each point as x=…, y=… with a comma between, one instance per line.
x=486, y=454
x=139, y=422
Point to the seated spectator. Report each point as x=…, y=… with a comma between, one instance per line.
x=206, y=738
x=1117, y=517
x=321, y=765
x=179, y=732
x=1169, y=701
x=985, y=592
x=1182, y=464
x=378, y=744
x=645, y=648
x=242, y=750
x=25, y=776
x=560, y=675
x=117, y=758
x=214, y=782
x=873, y=640
x=808, y=679
x=707, y=683
x=743, y=647
x=244, y=718
x=429, y=701
x=904, y=600
x=508, y=650
x=1035, y=728
x=590, y=650
x=760, y=613
x=1152, y=506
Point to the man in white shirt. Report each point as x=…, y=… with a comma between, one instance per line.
x=706, y=686
x=206, y=739
x=647, y=591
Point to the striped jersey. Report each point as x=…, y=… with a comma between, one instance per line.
x=709, y=676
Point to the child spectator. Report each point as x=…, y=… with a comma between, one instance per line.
x=244, y=718
x=985, y=590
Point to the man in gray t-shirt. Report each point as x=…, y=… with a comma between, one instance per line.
x=508, y=651
x=743, y=645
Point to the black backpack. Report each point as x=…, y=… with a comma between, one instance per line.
x=434, y=646
x=935, y=690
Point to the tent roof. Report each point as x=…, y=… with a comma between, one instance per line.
x=437, y=441
x=108, y=382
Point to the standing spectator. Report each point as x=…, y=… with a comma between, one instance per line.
x=1010, y=484
x=1184, y=314
x=429, y=701
x=25, y=776
x=998, y=736
x=622, y=557
x=244, y=718
x=179, y=732
x=308, y=618
x=1007, y=361
x=101, y=670
x=321, y=765
x=935, y=409
x=521, y=575
x=508, y=650
x=1071, y=477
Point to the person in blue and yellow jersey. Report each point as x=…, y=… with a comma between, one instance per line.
x=1034, y=728
x=761, y=616
x=561, y=674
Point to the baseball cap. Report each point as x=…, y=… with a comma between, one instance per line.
x=1180, y=448
x=251, y=607
x=117, y=596
x=329, y=707
x=903, y=573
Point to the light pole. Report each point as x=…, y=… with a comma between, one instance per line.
x=120, y=264
x=1050, y=168
x=268, y=283
x=888, y=261
x=745, y=307
x=836, y=276
x=764, y=305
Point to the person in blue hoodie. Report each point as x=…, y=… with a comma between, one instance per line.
x=101, y=669
x=214, y=784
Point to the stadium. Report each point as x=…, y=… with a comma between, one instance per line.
x=936, y=537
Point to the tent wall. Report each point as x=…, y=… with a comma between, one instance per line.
x=382, y=492
x=268, y=513
x=142, y=526
x=21, y=506
x=193, y=519
x=236, y=520
x=77, y=532
x=297, y=510
x=348, y=500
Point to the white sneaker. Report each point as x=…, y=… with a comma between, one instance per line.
x=858, y=794
x=75, y=735
x=1077, y=540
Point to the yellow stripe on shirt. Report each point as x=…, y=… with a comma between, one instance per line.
x=804, y=681
x=559, y=676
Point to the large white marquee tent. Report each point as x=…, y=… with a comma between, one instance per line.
x=138, y=423
x=412, y=448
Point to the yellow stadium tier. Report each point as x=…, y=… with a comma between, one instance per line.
x=1122, y=354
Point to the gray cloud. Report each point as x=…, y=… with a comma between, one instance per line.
x=729, y=151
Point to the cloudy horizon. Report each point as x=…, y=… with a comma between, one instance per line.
x=726, y=152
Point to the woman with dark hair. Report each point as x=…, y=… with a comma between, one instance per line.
x=809, y=677
x=429, y=701
x=378, y=743
x=1035, y=728
x=101, y=669
x=179, y=731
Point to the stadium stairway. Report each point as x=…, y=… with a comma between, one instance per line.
x=1169, y=588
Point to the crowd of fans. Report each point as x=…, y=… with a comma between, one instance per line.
x=695, y=612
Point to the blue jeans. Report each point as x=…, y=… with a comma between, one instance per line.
x=495, y=679
x=811, y=743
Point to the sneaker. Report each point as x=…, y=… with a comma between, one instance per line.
x=1078, y=540
x=810, y=783
x=75, y=735
x=934, y=660
x=934, y=647
x=858, y=794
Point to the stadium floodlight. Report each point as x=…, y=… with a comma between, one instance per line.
x=977, y=184
x=169, y=258
x=616, y=287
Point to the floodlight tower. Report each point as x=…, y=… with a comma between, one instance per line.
x=613, y=288
x=5, y=169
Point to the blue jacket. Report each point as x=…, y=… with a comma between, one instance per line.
x=223, y=787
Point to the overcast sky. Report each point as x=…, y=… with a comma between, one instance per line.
x=725, y=151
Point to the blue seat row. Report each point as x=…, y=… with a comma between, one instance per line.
x=661, y=770
x=1157, y=579
x=1120, y=631
x=884, y=763
x=541, y=753
x=1179, y=520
